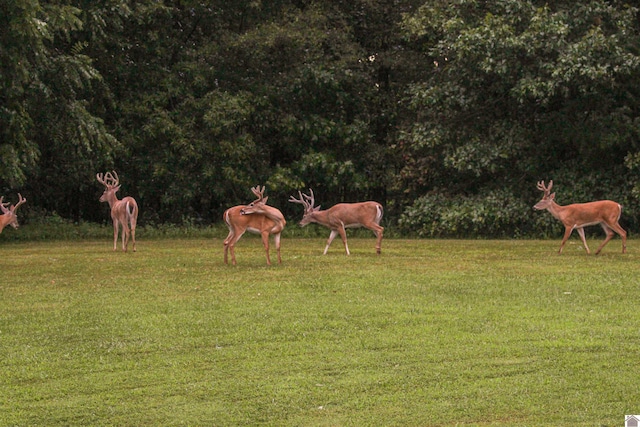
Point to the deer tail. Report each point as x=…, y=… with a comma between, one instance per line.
x=130, y=209
x=379, y=213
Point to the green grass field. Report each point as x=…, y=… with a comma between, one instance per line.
x=430, y=333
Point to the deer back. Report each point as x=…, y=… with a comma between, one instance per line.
x=254, y=223
x=352, y=214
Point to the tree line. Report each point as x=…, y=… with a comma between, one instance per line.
x=445, y=111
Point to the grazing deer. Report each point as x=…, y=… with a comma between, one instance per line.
x=255, y=217
x=579, y=215
x=9, y=216
x=342, y=216
x=123, y=212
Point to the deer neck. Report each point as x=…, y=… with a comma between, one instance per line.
x=5, y=219
x=559, y=212
x=112, y=200
x=273, y=214
x=320, y=217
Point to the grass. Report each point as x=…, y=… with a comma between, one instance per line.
x=430, y=333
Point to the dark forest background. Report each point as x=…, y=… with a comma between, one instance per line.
x=447, y=112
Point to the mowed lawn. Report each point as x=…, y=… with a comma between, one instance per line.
x=430, y=333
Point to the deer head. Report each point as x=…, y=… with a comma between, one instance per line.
x=111, y=183
x=548, y=198
x=307, y=201
x=9, y=216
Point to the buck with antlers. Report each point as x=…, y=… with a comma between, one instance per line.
x=123, y=212
x=579, y=215
x=342, y=216
x=9, y=216
x=256, y=217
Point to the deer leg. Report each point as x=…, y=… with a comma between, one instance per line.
x=623, y=234
x=567, y=233
x=377, y=230
x=133, y=233
x=125, y=236
x=115, y=234
x=226, y=245
x=265, y=243
x=609, y=233
x=584, y=240
x=230, y=243
x=332, y=236
x=343, y=236
x=232, y=247
x=276, y=239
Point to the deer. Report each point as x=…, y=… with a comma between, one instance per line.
x=123, y=212
x=9, y=216
x=579, y=215
x=256, y=217
x=342, y=216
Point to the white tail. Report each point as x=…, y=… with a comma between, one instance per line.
x=579, y=215
x=342, y=216
x=123, y=212
x=9, y=216
x=256, y=217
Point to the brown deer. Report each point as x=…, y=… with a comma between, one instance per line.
x=255, y=217
x=579, y=215
x=342, y=216
x=9, y=216
x=123, y=212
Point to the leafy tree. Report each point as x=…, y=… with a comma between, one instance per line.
x=51, y=137
x=519, y=91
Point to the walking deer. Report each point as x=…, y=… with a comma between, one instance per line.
x=342, y=216
x=579, y=215
x=9, y=216
x=123, y=212
x=256, y=217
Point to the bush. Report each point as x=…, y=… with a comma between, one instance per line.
x=497, y=213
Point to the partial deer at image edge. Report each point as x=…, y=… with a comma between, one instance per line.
x=9, y=216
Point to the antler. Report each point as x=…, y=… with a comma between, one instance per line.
x=112, y=178
x=304, y=200
x=311, y=198
x=108, y=179
x=300, y=201
x=21, y=201
x=547, y=190
x=4, y=205
x=259, y=192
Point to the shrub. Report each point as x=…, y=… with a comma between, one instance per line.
x=497, y=213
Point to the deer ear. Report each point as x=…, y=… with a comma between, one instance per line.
x=552, y=196
x=264, y=200
x=316, y=209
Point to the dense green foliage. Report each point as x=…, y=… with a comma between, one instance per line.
x=421, y=105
